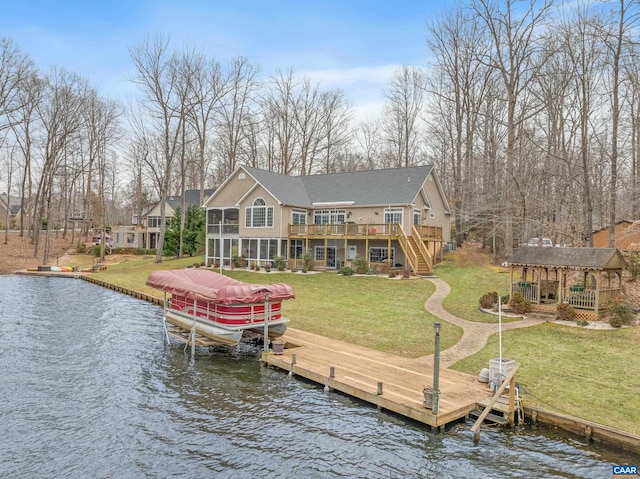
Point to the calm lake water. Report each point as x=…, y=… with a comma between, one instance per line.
x=87, y=389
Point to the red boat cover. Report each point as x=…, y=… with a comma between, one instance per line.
x=204, y=285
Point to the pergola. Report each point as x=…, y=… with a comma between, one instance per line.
x=585, y=278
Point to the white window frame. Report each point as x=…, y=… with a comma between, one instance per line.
x=391, y=215
x=295, y=246
x=381, y=252
x=416, y=217
x=298, y=217
x=263, y=218
x=329, y=217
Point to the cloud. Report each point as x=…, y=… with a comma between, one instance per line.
x=343, y=77
x=363, y=86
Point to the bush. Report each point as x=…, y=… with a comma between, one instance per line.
x=582, y=322
x=308, y=262
x=621, y=312
x=615, y=322
x=238, y=261
x=280, y=263
x=81, y=248
x=566, y=312
x=406, y=273
x=519, y=304
x=346, y=271
x=360, y=265
x=392, y=274
x=487, y=300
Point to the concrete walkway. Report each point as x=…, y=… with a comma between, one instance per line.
x=475, y=334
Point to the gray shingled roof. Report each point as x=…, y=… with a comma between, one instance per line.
x=394, y=186
x=288, y=190
x=593, y=258
x=192, y=197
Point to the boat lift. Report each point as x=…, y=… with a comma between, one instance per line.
x=193, y=339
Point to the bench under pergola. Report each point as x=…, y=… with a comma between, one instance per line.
x=585, y=278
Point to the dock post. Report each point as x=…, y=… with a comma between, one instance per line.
x=379, y=391
x=436, y=371
x=332, y=374
x=293, y=362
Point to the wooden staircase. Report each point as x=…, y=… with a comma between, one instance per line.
x=416, y=252
x=423, y=265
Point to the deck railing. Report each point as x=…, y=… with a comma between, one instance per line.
x=575, y=296
x=528, y=290
x=422, y=249
x=350, y=229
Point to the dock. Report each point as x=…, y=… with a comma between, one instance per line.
x=389, y=382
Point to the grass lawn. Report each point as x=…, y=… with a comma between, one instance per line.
x=470, y=275
x=586, y=373
x=374, y=312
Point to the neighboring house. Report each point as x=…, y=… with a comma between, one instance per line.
x=145, y=231
x=12, y=205
x=626, y=236
x=396, y=216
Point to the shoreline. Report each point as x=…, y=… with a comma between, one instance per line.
x=588, y=430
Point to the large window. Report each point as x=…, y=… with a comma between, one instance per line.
x=259, y=215
x=260, y=249
x=416, y=217
x=296, y=249
x=329, y=217
x=153, y=222
x=298, y=217
x=393, y=215
x=378, y=255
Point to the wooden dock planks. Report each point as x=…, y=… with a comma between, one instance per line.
x=357, y=372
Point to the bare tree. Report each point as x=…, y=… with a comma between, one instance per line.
x=400, y=116
x=279, y=104
x=238, y=128
x=513, y=57
x=458, y=86
x=626, y=20
x=60, y=115
x=157, y=76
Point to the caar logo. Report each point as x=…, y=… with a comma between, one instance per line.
x=624, y=471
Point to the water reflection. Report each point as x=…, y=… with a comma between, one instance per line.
x=89, y=390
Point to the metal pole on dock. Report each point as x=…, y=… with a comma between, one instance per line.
x=266, y=325
x=436, y=371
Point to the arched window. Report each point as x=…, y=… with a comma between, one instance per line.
x=259, y=215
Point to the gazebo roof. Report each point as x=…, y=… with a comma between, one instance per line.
x=573, y=258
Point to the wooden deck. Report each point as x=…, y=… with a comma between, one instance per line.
x=358, y=372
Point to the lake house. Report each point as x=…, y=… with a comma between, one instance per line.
x=397, y=217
